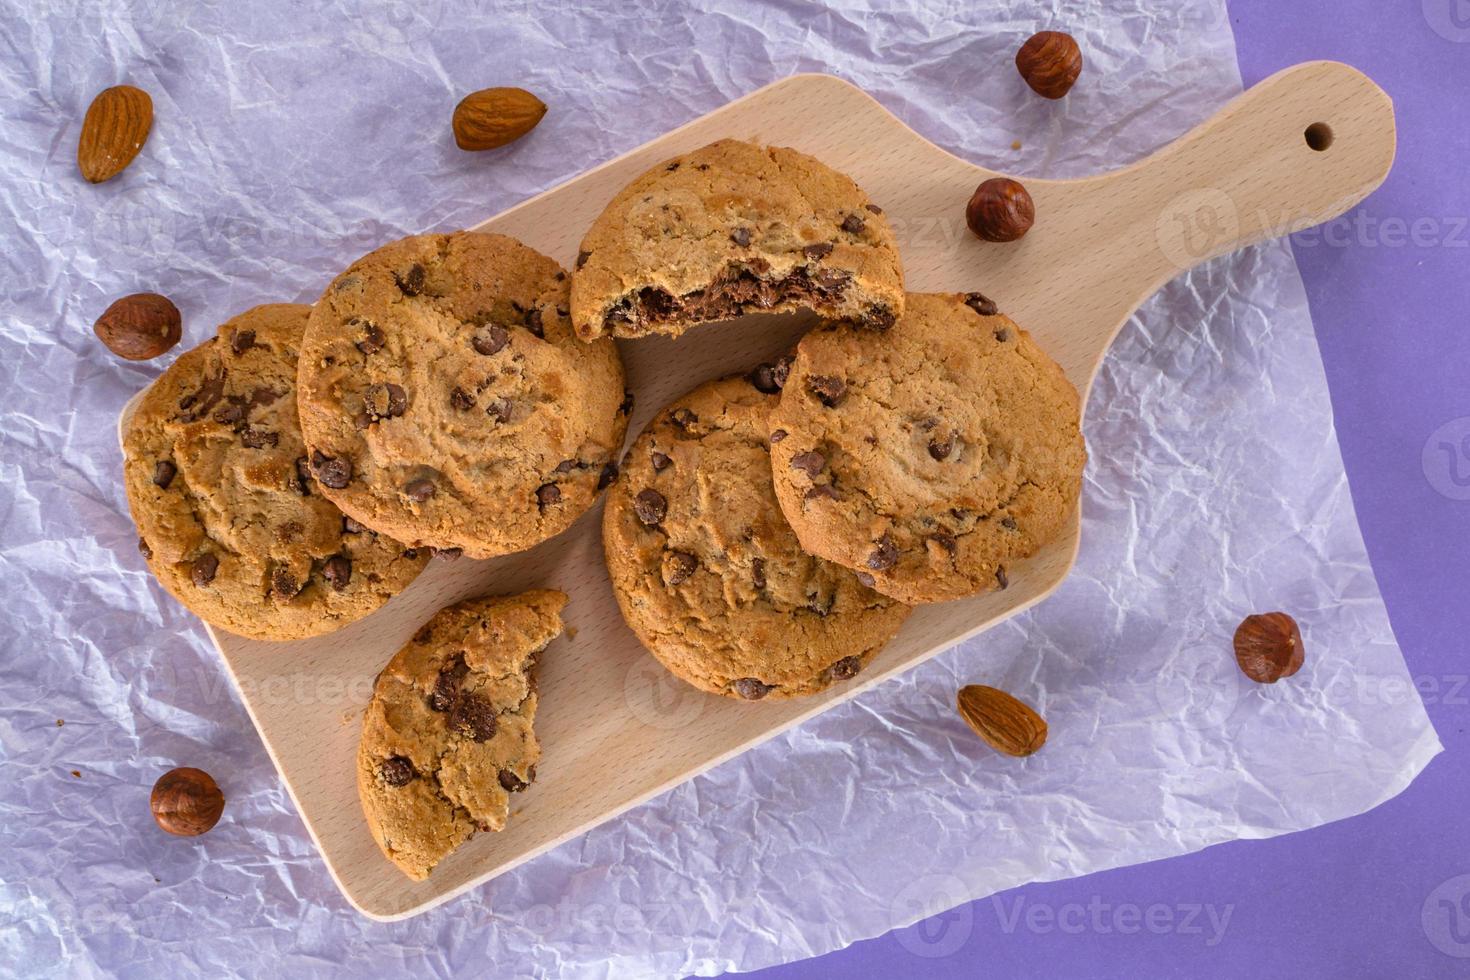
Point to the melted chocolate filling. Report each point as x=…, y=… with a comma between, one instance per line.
x=738, y=291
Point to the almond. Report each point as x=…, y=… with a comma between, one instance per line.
x=494, y=117
x=114, y=130
x=1007, y=724
x=140, y=326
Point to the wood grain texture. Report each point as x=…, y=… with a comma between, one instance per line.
x=615, y=728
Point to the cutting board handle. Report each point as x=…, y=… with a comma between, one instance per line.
x=1298, y=149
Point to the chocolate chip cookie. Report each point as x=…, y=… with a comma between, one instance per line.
x=730, y=229
x=929, y=456
x=446, y=400
x=230, y=518
x=707, y=572
x=448, y=737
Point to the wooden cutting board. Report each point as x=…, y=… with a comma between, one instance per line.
x=615, y=728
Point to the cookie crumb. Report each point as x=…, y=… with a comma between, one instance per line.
x=77, y=773
x=1015, y=144
x=60, y=722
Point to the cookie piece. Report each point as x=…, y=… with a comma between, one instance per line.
x=446, y=400
x=448, y=737
x=929, y=456
x=730, y=229
x=229, y=519
x=707, y=572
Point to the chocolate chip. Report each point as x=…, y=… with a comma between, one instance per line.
x=547, y=494
x=873, y=208
x=582, y=258
x=1009, y=523
x=817, y=251
x=424, y=634
x=373, y=339
x=981, y=304
x=846, y=668
x=350, y=526
x=884, y=555
x=163, y=473
x=1001, y=579
x=651, y=507
x=770, y=377
x=660, y=462
x=701, y=166
x=412, y=281
x=362, y=420
x=945, y=540
x=490, y=340
x=879, y=318
x=446, y=685
x=143, y=549
x=751, y=689
x=473, y=717
x=242, y=340
x=397, y=771
x=509, y=781
x=853, y=225
x=500, y=409
x=203, y=569
x=461, y=399
x=758, y=572
x=827, y=390
x=448, y=554
x=681, y=566
x=395, y=400
x=301, y=482
x=684, y=418
x=865, y=579
x=626, y=405
x=740, y=236
x=252, y=438
x=411, y=554
x=420, y=490
x=672, y=167
x=187, y=402
x=810, y=463
x=346, y=282
x=823, y=491
x=337, y=571
x=282, y=584
x=778, y=435
x=566, y=466
x=1002, y=335
x=334, y=473
x=608, y=476
x=941, y=448
x=533, y=323
x=230, y=414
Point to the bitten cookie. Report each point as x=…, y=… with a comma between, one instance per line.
x=705, y=569
x=446, y=400
x=230, y=520
x=730, y=229
x=928, y=456
x=448, y=734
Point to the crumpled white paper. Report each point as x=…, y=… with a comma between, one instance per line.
x=291, y=137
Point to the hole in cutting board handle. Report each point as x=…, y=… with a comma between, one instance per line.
x=1319, y=136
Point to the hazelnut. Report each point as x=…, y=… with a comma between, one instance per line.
x=186, y=802
x=139, y=326
x=1050, y=63
x=1001, y=210
x=1268, y=647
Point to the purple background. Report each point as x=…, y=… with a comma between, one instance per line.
x=1345, y=900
